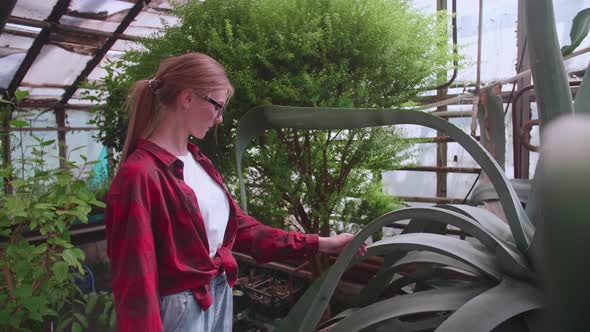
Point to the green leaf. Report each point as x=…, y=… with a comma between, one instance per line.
x=25, y=290
x=82, y=319
x=48, y=142
x=40, y=249
x=19, y=95
x=487, y=219
x=493, y=307
x=76, y=327
x=481, y=260
x=448, y=299
x=565, y=188
x=60, y=270
x=64, y=323
x=19, y=123
x=259, y=119
x=582, y=104
x=383, y=279
x=91, y=303
x=579, y=31
x=4, y=101
x=113, y=320
x=71, y=256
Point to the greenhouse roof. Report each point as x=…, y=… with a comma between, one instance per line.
x=77, y=36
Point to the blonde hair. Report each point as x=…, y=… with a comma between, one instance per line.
x=188, y=71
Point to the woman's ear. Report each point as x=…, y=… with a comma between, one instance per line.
x=185, y=98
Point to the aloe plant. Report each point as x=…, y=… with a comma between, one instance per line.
x=496, y=280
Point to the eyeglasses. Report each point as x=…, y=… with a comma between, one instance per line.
x=219, y=108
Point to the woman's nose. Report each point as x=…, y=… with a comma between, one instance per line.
x=219, y=119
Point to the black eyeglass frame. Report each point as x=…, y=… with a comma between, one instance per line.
x=219, y=108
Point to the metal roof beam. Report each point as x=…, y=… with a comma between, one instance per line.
x=6, y=8
x=135, y=10
x=58, y=11
x=66, y=28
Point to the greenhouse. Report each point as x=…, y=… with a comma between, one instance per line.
x=294, y=165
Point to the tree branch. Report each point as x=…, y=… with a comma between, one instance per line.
x=7, y=276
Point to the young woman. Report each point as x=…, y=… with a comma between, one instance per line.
x=170, y=222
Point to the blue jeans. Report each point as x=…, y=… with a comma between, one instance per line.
x=180, y=312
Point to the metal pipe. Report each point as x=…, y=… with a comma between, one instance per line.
x=441, y=169
x=455, y=49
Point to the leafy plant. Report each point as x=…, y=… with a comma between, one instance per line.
x=494, y=280
x=306, y=53
x=36, y=278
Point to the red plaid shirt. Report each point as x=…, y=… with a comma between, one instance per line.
x=157, y=243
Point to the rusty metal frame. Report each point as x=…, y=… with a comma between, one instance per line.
x=66, y=28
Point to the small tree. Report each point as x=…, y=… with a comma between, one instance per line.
x=336, y=53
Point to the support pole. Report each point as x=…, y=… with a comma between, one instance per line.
x=441, y=146
x=521, y=110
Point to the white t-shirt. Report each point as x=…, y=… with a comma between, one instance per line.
x=213, y=202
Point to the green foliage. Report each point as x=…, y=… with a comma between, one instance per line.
x=336, y=53
x=93, y=309
x=579, y=31
x=36, y=278
x=370, y=203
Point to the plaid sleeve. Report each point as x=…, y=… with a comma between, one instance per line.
x=131, y=250
x=268, y=244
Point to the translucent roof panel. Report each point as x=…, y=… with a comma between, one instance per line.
x=33, y=9
x=55, y=65
x=8, y=67
x=106, y=7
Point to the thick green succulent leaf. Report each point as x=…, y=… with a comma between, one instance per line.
x=552, y=89
x=511, y=260
x=383, y=279
x=433, y=258
x=421, y=325
x=493, y=307
x=447, y=299
x=551, y=83
x=579, y=31
x=483, y=261
x=256, y=121
x=582, y=104
x=563, y=245
x=306, y=313
x=395, y=324
x=487, y=219
x=338, y=317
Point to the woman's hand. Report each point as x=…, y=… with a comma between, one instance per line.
x=335, y=244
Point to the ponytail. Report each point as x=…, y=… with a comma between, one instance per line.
x=143, y=116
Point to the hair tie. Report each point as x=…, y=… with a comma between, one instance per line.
x=154, y=85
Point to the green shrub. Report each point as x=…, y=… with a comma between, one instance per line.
x=340, y=53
